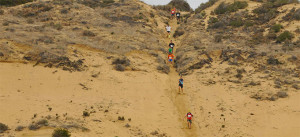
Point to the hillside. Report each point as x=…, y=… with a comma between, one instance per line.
x=100, y=68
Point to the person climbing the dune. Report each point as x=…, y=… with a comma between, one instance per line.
x=178, y=16
x=173, y=11
x=171, y=45
x=170, y=50
x=180, y=82
x=171, y=57
x=189, y=117
x=168, y=28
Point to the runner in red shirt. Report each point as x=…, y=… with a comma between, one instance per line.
x=173, y=11
x=189, y=117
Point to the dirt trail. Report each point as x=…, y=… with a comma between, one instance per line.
x=180, y=101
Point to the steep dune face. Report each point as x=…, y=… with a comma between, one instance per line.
x=236, y=75
x=98, y=68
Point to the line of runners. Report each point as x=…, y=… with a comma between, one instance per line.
x=171, y=57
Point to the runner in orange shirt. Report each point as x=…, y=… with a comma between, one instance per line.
x=171, y=57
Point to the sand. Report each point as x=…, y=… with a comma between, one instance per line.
x=147, y=99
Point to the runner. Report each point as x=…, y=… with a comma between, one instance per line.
x=171, y=45
x=178, y=16
x=180, y=84
x=173, y=11
x=168, y=28
x=170, y=57
x=170, y=50
x=189, y=117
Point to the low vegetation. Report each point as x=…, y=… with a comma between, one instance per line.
x=228, y=8
x=13, y=2
x=3, y=127
x=276, y=28
x=204, y=6
x=292, y=15
x=96, y=3
x=121, y=64
x=61, y=132
x=286, y=35
x=181, y=5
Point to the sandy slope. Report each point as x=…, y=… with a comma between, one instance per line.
x=148, y=98
x=139, y=95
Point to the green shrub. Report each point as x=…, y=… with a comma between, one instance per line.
x=212, y=20
x=266, y=12
x=61, y=133
x=13, y=2
x=3, y=127
x=181, y=5
x=248, y=23
x=276, y=28
x=236, y=23
x=286, y=35
x=227, y=8
x=217, y=25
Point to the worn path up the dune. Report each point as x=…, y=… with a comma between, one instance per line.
x=180, y=100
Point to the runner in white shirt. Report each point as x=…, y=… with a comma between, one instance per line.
x=168, y=28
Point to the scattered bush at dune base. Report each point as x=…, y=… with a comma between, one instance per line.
x=164, y=68
x=19, y=128
x=38, y=125
x=61, y=132
x=121, y=64
x=3, y=127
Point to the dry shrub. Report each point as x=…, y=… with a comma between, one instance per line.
x=163, y=68
x=237, y=22
x=217, y=25
x=1, y=11
x=13, y=2
x=61, y=132
x=227, y=8
x=204, y=6
x=282, y=94
x=182, y=5
x=88, y=33
x=19, y=128
x=273, y=61
x=266, y=12
x=276, y=28
x=286, y=35
x=218, y=38
x=121, y=64
x=96, y=3
x=178, y=32
x=272, y=35
x=31, y=10
x=3, y=127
